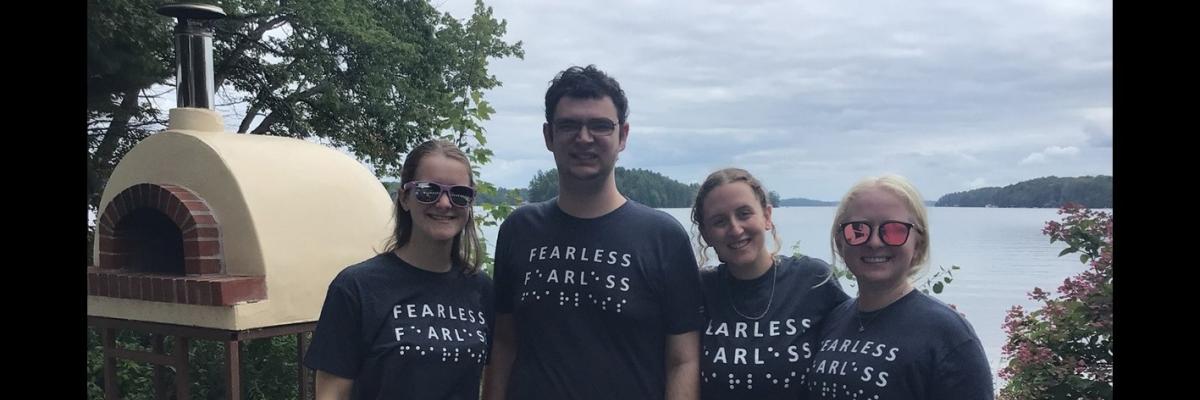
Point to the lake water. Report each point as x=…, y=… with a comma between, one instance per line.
x=1001, y=252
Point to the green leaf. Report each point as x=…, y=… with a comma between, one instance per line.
x=1068, y=250
x=1083, y=258
x=937, y=287
x=947, y=280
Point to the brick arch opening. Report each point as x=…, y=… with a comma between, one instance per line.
x=162, y=242
x=130, y=219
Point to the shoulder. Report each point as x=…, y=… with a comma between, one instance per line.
x=806, y=266
x=529, y=212
x=364, y=269
x=648, y=220
x=939, y=317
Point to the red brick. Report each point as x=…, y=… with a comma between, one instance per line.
x=183, y=194
x=180, y=290
x=199, y=266
x=101, y=284
x=241, y=289
x=146, y=197
x=132, y=196
x=196, y=206
x=122, y=286
x=147, y=288
x=108, y=244
x=204, y=218
x=107, y=221
x=135, y=287
x=93, y=284
x=107, y=261
x=200, y=292
x=206, y=232
x=170, y=208
x=182, y=218
x=121, y=204
x=201, y=248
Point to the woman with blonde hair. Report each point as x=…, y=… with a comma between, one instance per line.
x=892, y=342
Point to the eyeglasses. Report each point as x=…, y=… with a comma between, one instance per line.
x=891, y=233
x=595, y=126
x=429, y=192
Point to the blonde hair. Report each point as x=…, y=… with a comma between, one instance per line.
x=908, y=194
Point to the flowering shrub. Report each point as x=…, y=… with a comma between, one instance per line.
x=1064, y=349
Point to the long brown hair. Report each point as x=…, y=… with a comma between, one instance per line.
x=466, y=248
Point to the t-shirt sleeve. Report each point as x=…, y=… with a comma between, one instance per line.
x=335, y=346
x=683, y=304
x=489, y=313
x=831, y=292
x=963, y=373
x=502, y=272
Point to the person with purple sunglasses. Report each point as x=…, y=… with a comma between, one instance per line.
x=892, y=342
x=413, y=322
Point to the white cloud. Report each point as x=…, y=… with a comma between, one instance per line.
x=1046, y=154
x=1061, y=151
x=1035, y=158
x=948, y=92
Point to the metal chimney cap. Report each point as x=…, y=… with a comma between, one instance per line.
x=191, y=11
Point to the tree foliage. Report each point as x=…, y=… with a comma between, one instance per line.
x=1088, y=191
x=1064, y=350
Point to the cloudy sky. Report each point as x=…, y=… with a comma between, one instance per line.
x=812, y=95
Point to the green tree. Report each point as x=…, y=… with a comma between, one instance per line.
x=374, y=77
x=644, y=186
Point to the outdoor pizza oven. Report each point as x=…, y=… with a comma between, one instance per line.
x=206, y=228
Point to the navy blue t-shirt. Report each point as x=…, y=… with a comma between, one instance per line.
x=915, y=348
x=593, y=300
x=761, y=331
x=401, y=332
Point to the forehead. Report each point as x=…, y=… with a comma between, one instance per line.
x=728, y=197
x=585, y=108
x=440, y=168
x=876, y=203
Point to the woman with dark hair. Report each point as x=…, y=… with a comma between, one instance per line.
x=762, y=308
x=413, y=322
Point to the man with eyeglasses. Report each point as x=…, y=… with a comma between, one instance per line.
x=597, y=296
